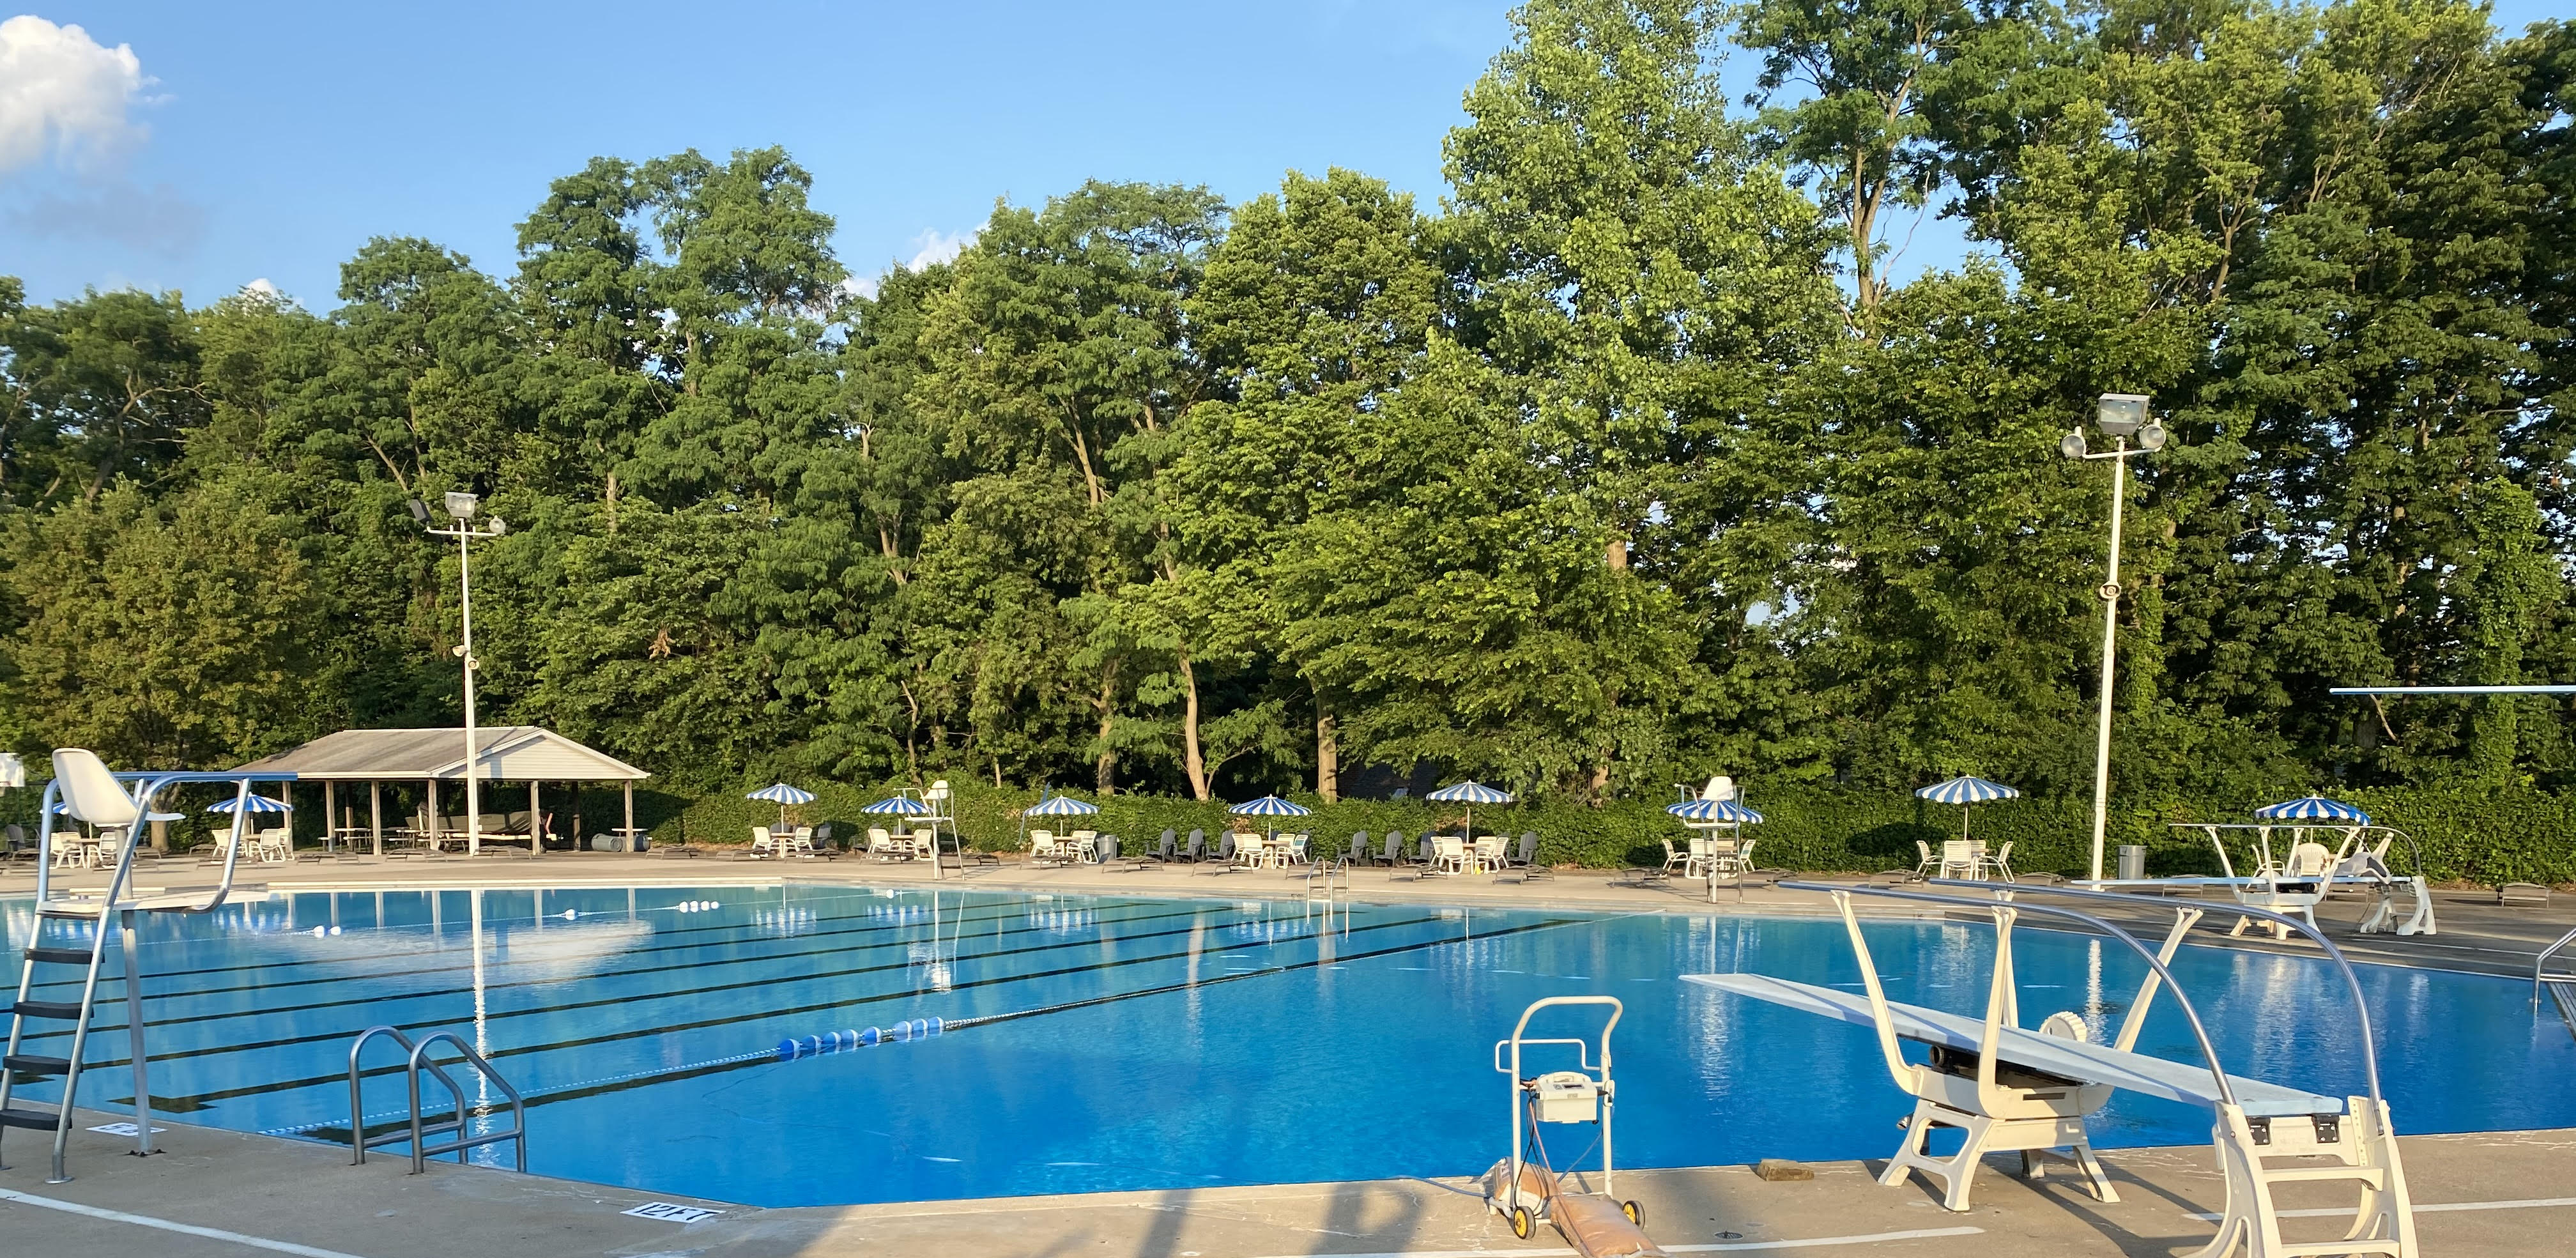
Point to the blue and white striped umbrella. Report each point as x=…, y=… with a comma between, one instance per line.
x=781, y=793
x=1966, y=790
x=1725, y=810
x=1270, y=806
x=258, y=803
x=1062, y=806
x=1470, y=794
x=904, y=804
x=2313, y=808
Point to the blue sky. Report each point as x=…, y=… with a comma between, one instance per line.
x=269, y=141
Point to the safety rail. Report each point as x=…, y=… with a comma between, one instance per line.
x=2540, y=964
x=419, y=1129
x=2351, y=979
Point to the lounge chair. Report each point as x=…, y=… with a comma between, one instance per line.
x=1196, y=850
x=761, y=845
x=881, y=845
x=1357, y=849
x=1527, y=860
x=1392, y=854
x=1169, y=849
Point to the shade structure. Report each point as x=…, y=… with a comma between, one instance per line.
x=1061, y=806
x=258, y=803
x=1470, y=794
x=1720, y=810
x=1964, y=790
x=2313, y=808
x=781, y=794
x=904, y=804
x=1269, y=806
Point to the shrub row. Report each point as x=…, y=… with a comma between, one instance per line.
x=2485, y=836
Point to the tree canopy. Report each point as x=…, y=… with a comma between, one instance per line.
x=1631, y=460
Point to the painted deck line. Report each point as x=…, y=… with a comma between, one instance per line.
x=184, y=1229
x=1811, y=1242
x=2525, y=1203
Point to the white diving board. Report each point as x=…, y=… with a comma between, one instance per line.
x=2071, y=1059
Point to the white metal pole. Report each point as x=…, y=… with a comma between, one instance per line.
x=473, y=796
x=2110, y=627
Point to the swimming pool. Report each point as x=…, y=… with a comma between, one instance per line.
x=1136, y=1042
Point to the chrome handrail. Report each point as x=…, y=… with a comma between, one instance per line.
x=2351, y=979
x=2542, y=961
x=2208, y=1050
x=517, y=1134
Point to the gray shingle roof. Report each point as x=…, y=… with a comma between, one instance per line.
x=514, y=753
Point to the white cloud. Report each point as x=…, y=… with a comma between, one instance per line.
x=263, y=288
x=933, y=247
x=61, y=92
x=929, y=249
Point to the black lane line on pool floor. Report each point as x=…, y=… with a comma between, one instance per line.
x=516, y=984
x=514, y=924
x=187, y=1104
x=506, y=967
x=339, y=1133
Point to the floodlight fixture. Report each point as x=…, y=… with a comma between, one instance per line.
x=461, y=505
x=2072, y=444
x=2120, y=414
x=2152, y=436
x=419, y=511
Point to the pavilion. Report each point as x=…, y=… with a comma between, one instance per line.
x=436, y=757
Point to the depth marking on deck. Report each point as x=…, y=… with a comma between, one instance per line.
x=1811, y=1242
x=185, y=1229
x=2524, y=1203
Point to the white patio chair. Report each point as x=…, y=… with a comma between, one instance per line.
x=1926, y=866
x=1297, y=842
x=1449, y=854
x=2000, y=863
x=1673, y=860
x=274, y=845
x=1078, y=846
x=761, y=844
x=1958, y=859
x=1489, y=853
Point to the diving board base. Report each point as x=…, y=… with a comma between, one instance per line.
x=1986, y=1135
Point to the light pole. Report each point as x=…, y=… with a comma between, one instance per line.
x=2120, y=416
x=460, y=509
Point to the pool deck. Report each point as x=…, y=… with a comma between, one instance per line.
x=223, y=1194
x=218, y=1194
x=2476, y=935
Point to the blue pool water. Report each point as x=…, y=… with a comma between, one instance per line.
x=1162, y=1043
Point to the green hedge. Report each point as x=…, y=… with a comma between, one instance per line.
x=2466, y=835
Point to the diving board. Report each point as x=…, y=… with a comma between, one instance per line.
x=2007, y=1088
x=2065, y=1058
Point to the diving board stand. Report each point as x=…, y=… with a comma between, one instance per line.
x=2008, y=1089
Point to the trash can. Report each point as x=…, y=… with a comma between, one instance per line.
x=2133, y=861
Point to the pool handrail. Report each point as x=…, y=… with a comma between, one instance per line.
x=421, y=1152
x=2541, y=962
x=2351, y=978
x=2208, y=1050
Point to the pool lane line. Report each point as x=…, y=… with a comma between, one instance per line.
x=517, y=984
x=723, y=1065
x=166, y=1225
x=200, y=1100
x=506, y=966
x=1709, y=1247
x=888, y=967
x=514, y=923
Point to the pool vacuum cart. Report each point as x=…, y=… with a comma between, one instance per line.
x=1597, y=1224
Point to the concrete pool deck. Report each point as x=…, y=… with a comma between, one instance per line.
x=227, y=1193
x=217, y=1194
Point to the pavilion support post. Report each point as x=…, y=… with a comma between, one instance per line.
x=376, y=817
x=630, y=814
x=330, y=813
x=536, y=822
x=433, y=816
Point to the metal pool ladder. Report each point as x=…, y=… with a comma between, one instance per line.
x=418, y=1131
x=2561, y=987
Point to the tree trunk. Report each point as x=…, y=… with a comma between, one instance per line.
x=1328, y=756
x=1193, y=759
x=1104, y=776
x=1618, y=554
